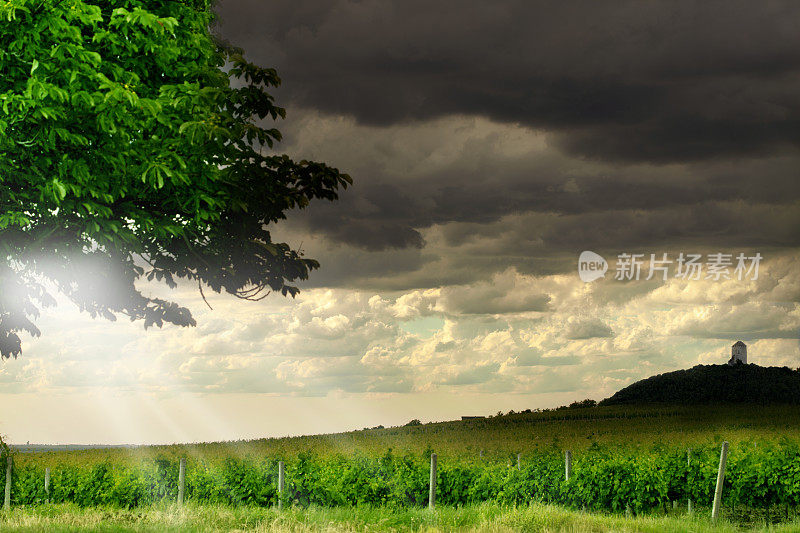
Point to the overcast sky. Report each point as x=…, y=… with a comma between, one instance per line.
x=490, y=143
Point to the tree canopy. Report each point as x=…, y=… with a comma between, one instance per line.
x=132, y=147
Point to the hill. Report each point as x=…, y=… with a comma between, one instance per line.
x=715, y=384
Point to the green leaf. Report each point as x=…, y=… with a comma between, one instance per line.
x=134, y=144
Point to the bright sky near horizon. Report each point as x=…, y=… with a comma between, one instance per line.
x=338, y=359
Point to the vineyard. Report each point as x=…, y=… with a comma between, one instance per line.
x=627, y=461
x=640, y=477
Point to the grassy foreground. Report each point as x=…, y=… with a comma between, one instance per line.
x=483, y=517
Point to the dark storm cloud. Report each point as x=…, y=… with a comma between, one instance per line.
x=667, y=124
x=654, y=81
x=753, y=204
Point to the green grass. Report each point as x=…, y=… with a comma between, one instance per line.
x=484, y=517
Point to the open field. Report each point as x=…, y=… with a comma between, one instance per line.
x=497, y=437
x=482, y=517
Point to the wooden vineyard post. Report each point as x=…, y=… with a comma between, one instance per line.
x=7, y=499
x=723, y=458
x=280, y=484
x=47, y=484
x=689, y=464
x=432, y=490
x=567, y=465
x=181, y=481
x=519, y=461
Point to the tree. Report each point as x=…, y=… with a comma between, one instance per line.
x=131, y=148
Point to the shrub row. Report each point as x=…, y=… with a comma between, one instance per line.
x=602, y=478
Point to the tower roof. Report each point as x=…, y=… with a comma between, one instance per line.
x=739, y=343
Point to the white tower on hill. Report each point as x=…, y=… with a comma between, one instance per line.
x=738, y=353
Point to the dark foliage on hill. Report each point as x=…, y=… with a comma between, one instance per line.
x=714, y=384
